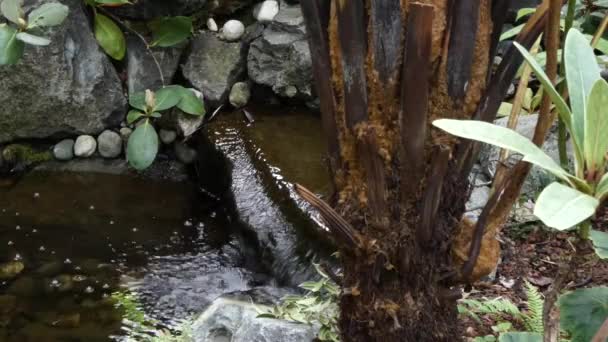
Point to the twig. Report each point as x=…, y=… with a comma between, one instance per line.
x=125, y=26
x=600, y=31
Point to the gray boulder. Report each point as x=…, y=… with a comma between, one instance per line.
x=239, y=95
x=233, y=320
x=280, y=58
x=68, y=88
x=142, y=71
x=64, y=150
x=213, y=66
x=109, y=144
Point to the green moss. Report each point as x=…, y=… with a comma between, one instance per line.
x=26, y=154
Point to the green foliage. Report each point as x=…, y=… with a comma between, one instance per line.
x=318, y=306
x=142, y=146
x=562, y=206
x=520, y=337
x=533, y=318
x=170, y=31
x=110, y=37
x=14, y=38
x=583, y=311
x=18, y=153
x=600, y=242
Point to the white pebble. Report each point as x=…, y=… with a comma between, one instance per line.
x=233, y=30
x=212, y=25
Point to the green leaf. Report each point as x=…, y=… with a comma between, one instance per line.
x=48, y=14
x=560, y=104
x=596, y=126
x=512, y=32
x=583, y=311
x=12, y=10
x=156, y=115
x=168, y=97
x=142, y=146
x=190, y=103
x=110, y=37
x=138, y=100
x=524, y=12
x=112, y=3
x=582, y=72
x=562, y=207
x=602, y=188
x=171, y=31
x=520, y=337
x=600, y=243
x=504, y=138
x=133, y=116
x=11, y=49
x=32, y=39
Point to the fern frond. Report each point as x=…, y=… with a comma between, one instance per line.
x=493, y=307
x=533, y=318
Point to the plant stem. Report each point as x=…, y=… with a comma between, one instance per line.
x=584, y=229
x=562, y=134
x=600, y=31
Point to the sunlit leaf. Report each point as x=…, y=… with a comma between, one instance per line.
x=12, y=10
x=112, y=3
x=32, y=39
x=133, y=116
x=190, y=103
x=168, y=97
x=520, y=337
x=110, y=37
x=142, y=146
x=11, y=49
x=600, y=243
x=48, y=14
x=562, y=207
x=602, y=188
x=596, y=126
x=582, y=72
x=583, y=311
x=512, y=32
x=171, y=31
x=138, y=100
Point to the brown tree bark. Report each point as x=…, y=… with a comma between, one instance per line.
x=384, y=70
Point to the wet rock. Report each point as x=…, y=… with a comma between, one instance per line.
x=109, y=144
x=25, y=287
x=68, y=87
x=239, y=95
x=232, y=30
x=125, y=133
x=64, y=150
x=213, y=66
x=11, y=269
x=280, y=58
x=68, y=321
x=85, y=146
x=232, y=320
x=142, y=71
x=212, y=25
x=61, y=283
x=8, y=303
x=167, y=136
x=184, y=153
x=50, y=269
x=21, y=156
x=266, y=11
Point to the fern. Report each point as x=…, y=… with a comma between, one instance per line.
x=533, y=318
x=492, y=307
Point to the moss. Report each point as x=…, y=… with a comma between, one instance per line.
x=26, y=154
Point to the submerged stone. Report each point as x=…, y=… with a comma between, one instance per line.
x=11, y=269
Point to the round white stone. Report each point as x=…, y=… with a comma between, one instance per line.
x=266, y=11
x=109, y=144
x=233, y=30
x=85, y=146
x=212, y=25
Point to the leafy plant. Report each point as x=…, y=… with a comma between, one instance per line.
x=573, y=201
x=318, y=306
x=142, y=146
x=583, y=311
x=26, y=30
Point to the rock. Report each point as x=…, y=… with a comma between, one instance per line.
x=233, y=30
x=212, y=25
x=25, y=287
x=11, y=269
x=232, y=320
x=50, y=269
x=109, y=144
x=8, y=303
x=85, y=146
x=69, y=87
x=64, y=150
x=213, y=66
x=125, y=133
x=239, y=95
x=479, y=198
x=61, y=283
x=167, y=136
x=151, y=9
x=266, y=11
x=280, y=58
x=68, y=321
x=142, y=72
x=184, y=153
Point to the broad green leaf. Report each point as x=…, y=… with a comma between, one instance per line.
x=142, y=146
x=171, y=31
x=562, y=207
x=582, y=72
x=190, y=103
x=110, y=37
x=156, y=115
x=168, y=97
x=133, y=116
x=596, y=126
x=600, y=243
x=12, y=10
x=49, y=14
x=512, y=32
x=138, y=100
x=520, y=337
x=560, y=104
x=504, y=138
x=32, y=39
x=583, y=311
x=602, y=187
x=11, y=49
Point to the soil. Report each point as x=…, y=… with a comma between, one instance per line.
x=532, y=252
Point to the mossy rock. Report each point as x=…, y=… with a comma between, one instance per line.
x=25, y=154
